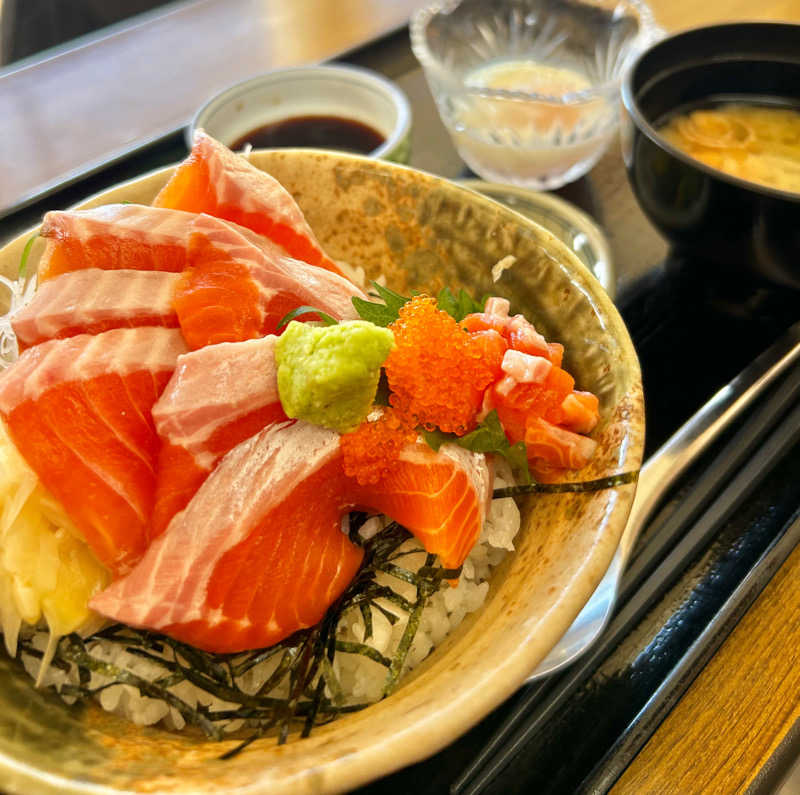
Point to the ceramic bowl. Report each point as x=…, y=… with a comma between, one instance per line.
x=573, y=227
x=422, y=232
x=734, y=227
x=337, y=90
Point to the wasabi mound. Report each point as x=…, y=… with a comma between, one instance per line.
x=329, y=375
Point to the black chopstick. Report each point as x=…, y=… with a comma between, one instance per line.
x=549, y=696
x=733, y=454
x=633, y=738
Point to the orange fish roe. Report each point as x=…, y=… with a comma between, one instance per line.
x=437, y=371
x=371, y=449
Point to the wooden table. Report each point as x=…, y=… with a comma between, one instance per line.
x=675, y=15
x=742, y=707
x=745, y=703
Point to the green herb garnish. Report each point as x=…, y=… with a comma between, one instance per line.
x=26, y=252
x=457, y=305
x=488, y=437
x=306, y=310
x=377, y=313
x=460, y=305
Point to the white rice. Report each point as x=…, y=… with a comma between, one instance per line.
x=362, y=680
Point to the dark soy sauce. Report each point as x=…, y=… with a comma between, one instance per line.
x=319, y=132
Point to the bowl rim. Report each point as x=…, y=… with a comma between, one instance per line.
x=631, y=105
x=369, y=77
x=648, y=32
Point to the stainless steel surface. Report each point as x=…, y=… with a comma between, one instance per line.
x=659, y=474
x=74, y=112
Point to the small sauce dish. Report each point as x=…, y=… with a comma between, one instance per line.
x=332, y=106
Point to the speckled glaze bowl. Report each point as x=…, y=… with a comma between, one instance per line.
x=422, y=232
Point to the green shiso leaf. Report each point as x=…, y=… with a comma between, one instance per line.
x=393, y=300
x=381, y=314
x=460, y=305
x=436, y=438
x=306, y=310
x=26, y=252
x=373, y=312
x=457, y=305
x=488, y=437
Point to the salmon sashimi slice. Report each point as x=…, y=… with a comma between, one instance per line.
x=247, y=563
x=441, y=497
x=217, y=397
x=79, y=411
x=237, y=289
x=114, y=237
x=92, y=301
x=581, y=412
x=259, y=552
x=557, y=447
x=219, y=182
x=235, y=284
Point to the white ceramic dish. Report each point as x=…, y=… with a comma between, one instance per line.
x=329, y=90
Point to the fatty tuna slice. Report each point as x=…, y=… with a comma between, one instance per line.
x=258, y=553
x=239, y=287
x=78, y=410
x=234, y=284
x=215, y=180
x=249, y=561
x=217, y=397
x=92, y=301
x=114, y=237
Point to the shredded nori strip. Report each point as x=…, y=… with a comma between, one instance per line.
x=302, y=691
x=425, y=588
x=559, y=488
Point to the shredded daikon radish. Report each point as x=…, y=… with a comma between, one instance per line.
x=47, y=572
